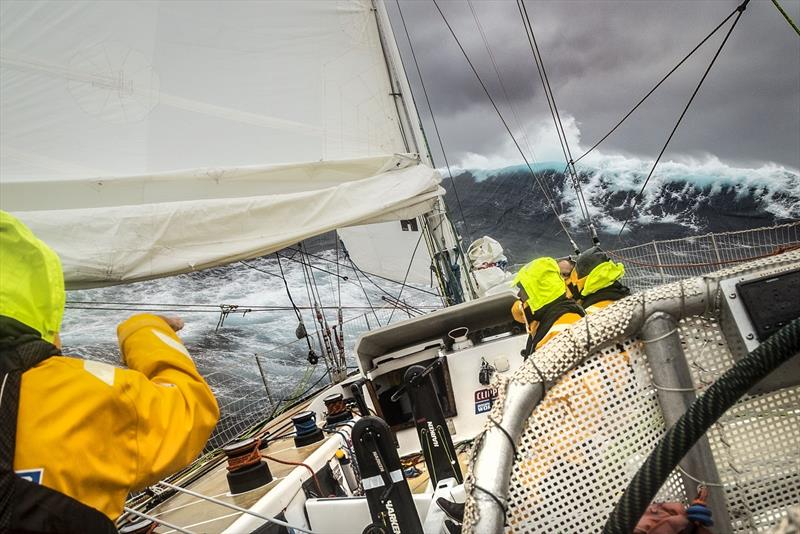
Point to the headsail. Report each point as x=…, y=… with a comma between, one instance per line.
x=136, y=90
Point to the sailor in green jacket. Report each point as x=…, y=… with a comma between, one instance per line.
x=597, y=280
x=543, y=303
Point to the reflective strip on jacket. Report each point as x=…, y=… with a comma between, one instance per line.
x=97, y=432
x=561, y=324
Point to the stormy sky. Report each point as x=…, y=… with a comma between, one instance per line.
x=601, y=57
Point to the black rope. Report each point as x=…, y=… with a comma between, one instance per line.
x=365, y=273
x=494, y=497
x=694, y=423
x=433, y=120
x=286, y=285
x=505, y=124
x=408, y=270
x=505, y=432
x=551, y=102
x=740, y=10
x=509, y=102
x=645, y=97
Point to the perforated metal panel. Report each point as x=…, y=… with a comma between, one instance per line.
x=583, y=443
x=756, y=444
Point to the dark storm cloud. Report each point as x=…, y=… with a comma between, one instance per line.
x=602, y=56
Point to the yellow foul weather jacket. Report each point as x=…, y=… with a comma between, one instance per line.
x=97, y=432
x=90, y=430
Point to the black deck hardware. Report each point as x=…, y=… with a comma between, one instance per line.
x=388, y=495
x=434, y=437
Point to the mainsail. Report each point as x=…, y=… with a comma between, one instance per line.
x=102, y=101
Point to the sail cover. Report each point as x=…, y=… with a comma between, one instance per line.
x=102, y=101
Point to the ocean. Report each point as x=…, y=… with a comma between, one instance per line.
x=683, y=200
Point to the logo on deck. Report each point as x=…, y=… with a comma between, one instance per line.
x=484, y=399
x=31, y=475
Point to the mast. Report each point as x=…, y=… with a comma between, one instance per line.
x=449, y=264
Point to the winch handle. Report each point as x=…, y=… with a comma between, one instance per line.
x=428, y=370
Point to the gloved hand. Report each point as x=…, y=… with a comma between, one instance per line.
x=699, y=513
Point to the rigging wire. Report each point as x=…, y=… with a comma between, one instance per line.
x=509, y=102
x=786, y=16
x=366, y=295
x=551, y=102
x=740, y=10
x=505, y=124
x=408, y=270
x=433, y=120
x=355, y=267
x=645, y=97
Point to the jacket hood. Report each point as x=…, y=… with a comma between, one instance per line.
x=31, y=279
x=541, y=280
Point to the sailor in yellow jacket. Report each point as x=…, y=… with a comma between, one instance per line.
x=543, y=304
x=597, y=280
x=93, y=431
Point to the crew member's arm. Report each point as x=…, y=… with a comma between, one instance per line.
x=176, y=411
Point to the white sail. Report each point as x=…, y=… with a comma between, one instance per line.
x=135, y=228
x=94, y=91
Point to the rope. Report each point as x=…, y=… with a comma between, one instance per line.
x=505, y=124
x=494, y=497
x=366, y=296
x=365, y=273
x=237, y=508
x=664, y=388
x=692, y=425
x=509, y=102
x=313, y=474
x=157, y=520
x=659, y=338
x=433, y=120
x=695, y=479
x=507, y=435
x=740, y=10
x=551, y=102
x=408, y=270
x=786, y=16
x=645, y=97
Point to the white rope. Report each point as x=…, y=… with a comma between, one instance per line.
x=663, y=388
x=237, y=508
x=157, y=520
x=659, y=338
x=701, y=482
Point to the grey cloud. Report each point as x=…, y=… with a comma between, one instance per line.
x=602, y=56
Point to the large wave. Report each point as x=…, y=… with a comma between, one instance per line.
x=696, y=194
